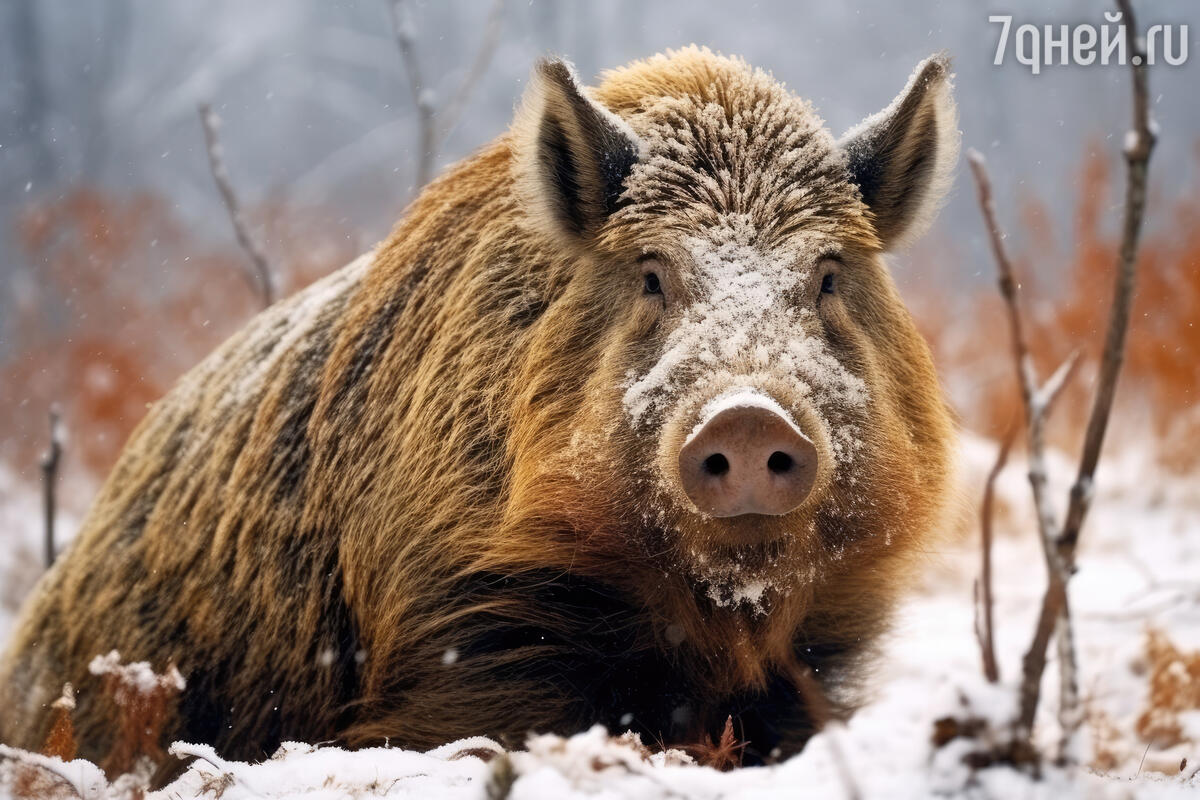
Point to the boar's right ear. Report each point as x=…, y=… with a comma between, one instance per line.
x=902, y=158
x=573, y=154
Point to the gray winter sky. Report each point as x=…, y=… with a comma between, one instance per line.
x=316, y=108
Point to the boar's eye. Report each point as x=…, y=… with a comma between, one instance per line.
x=827, y=284
x=652, y=285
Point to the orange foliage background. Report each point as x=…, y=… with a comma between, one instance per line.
x=124, y=299
x=1066, y=293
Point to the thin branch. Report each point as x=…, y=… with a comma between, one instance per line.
x=261, y=275
x=1034, y=663
x=1038, y=401
x=422, y=97
x=49, y=465
x=1138, y=147
x=432, y=132
x=1186, y=592
x=1059, y=544
x=984, y=630
x=208, y=754
x=483, y=56
x=1035, y=416
x=1052, y=388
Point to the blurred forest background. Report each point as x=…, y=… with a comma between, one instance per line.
x=120, y=269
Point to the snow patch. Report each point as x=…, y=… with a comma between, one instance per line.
x=296, y=317
x=137, y=676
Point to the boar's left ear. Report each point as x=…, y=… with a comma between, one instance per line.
x=902, y=157
x=573, y=154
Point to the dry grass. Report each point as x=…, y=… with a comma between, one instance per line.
x=1108, y=743
x=60, y=743
x=724, y=754
x=122, y=299
x=1066, y=279
x=1174, y=687
x=141, y=699
x=30, y=781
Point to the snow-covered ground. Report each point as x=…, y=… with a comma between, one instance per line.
x=1139, y=570
x=22, y=542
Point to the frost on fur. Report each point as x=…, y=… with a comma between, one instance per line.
x=902, y=157
x=574, y=154
x=743, y=317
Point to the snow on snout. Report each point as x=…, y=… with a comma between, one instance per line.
x=742, y=397
x=746, y=327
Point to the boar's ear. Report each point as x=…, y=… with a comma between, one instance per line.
x=573, y=155
x=902, y=157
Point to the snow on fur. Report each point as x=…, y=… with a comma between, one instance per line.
x=746, y=315
x=760, y=180
x=932, y=671
x=745, y=331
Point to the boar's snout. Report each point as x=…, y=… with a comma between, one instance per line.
x=747, y=459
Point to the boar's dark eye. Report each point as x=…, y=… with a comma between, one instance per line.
x=652, y=284
x=827, y=284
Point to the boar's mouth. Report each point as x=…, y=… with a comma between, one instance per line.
x=753, y=554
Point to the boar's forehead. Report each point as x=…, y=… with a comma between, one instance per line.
x=760, y=154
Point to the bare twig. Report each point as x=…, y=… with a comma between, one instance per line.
x=984, y=630
x=422, y=96
x=1145, y=752
x=1057, y=381
x=1138, y=147
x=49, y=465
x=1037, y=401
x=1174, y=594
x=209, y=755
x=430, y=132
x=261, y=276
x=1033, y=397
x=1034, y=663
x=483, y=56
x=1059, y=544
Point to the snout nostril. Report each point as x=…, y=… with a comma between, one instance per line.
x=779, y=462
x=747, y=459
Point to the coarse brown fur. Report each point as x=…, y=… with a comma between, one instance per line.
x=407, y=503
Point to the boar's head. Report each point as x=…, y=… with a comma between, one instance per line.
x=762, y=406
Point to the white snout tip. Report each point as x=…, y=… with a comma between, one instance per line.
x=742, y=397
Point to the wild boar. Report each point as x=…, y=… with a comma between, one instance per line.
x=625, y=423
